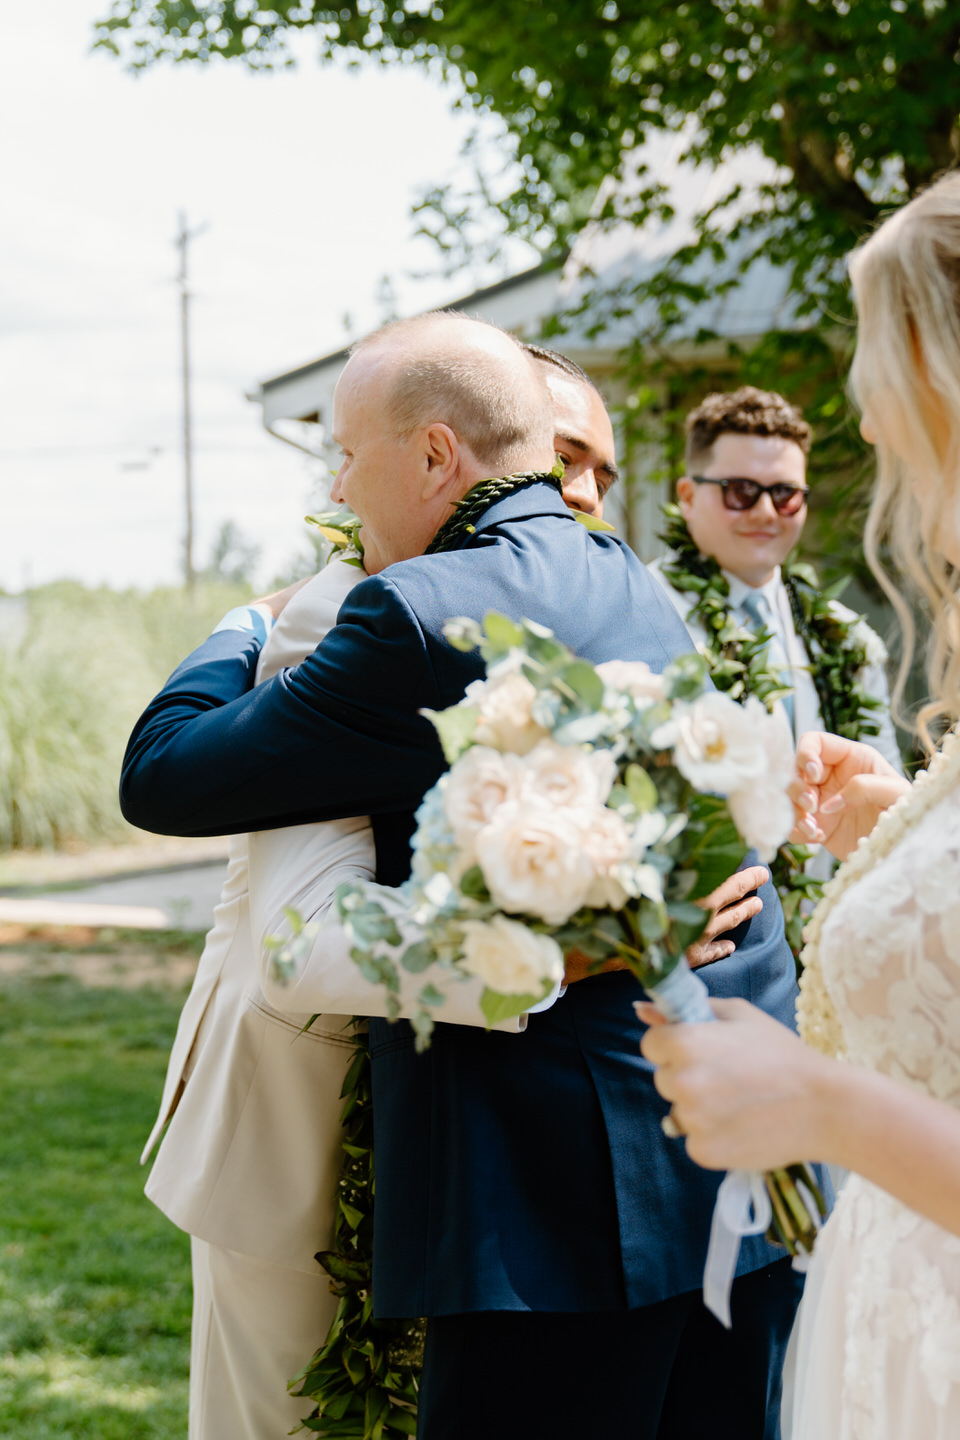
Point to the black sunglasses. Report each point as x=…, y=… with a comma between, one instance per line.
x=742, y=494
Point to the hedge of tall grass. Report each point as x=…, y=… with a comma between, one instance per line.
x=70, y=694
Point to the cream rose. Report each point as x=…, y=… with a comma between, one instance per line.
x=565, y=775
x=761, y=808
x=504, y=719
x=718, y=744
x=480, y=782
x=764, y=816
x=509, y=958
x=863, y=634
x=607, y=842
x=634, y=677
x=533, y=861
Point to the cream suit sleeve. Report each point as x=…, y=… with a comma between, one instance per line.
x=300, y=867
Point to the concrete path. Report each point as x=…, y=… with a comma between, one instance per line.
x=169, y=897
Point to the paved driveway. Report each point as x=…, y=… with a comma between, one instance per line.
x=172, y=898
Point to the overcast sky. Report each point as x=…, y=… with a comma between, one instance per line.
x=304, y=181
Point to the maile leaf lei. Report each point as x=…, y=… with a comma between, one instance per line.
x=737, y=660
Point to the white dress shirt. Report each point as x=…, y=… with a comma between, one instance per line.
x=806, y=702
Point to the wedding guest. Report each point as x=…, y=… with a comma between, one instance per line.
x=742, y=507
x=880, y=1331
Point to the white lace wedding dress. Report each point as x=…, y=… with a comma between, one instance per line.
x=879, y=1343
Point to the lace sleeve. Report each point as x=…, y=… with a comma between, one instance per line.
x=891, y=959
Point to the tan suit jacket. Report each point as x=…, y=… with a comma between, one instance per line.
x=250, y=1159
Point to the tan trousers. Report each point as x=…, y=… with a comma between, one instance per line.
x=255, y=1326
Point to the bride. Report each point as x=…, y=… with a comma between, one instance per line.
x=879, y=1345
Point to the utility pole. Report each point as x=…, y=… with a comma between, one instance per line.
x=183, y=238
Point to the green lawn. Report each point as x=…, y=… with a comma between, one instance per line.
x=94, y=1282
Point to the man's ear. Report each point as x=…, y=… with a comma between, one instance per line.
x=441, y=450
x=685, y=488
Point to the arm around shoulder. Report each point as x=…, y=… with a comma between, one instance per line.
x=339, y=734
x=300, y=868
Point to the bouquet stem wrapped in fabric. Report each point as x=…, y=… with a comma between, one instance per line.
x=586, y=808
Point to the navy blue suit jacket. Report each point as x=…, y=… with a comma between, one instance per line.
x=513, y=1172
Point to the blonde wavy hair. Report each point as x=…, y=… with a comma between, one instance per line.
x=906, y=380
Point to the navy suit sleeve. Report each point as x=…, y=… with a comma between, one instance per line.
x=339, y=735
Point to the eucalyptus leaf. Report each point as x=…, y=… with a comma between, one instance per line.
x=653, y=921
x=685, y=677
x=418, y=957
x=463, y=633
x=473, y=884
x=431, y=996
x=372, y=923
x=689, y=922
x=455, y=728
x=504, y=1007
x=641, y=789
x=585, y=683
x=502, y=634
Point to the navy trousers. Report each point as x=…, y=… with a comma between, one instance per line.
x=665, y=1372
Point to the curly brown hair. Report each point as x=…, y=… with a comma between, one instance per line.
x=747, y=411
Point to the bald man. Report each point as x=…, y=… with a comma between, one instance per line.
x=527, y=1200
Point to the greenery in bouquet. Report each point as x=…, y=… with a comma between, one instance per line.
x=586, y=808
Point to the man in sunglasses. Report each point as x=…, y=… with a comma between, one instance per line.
x=744, y=500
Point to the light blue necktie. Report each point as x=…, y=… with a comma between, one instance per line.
x=756, y=608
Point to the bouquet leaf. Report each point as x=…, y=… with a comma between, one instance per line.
x=455, y=728
x=503, y=1007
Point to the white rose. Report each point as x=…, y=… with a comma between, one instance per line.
x=763, y=814
x=565, y=775
x=634, y=677
x=480, y=781
x=718, y=744
x=533, y=861
x=761, y=808
x=607, y=843
x=874, y=649
x=509, y=958
x=505, y=721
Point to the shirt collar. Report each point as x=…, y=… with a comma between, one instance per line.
x=739, y=590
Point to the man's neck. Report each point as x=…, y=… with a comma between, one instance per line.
x=739, y=587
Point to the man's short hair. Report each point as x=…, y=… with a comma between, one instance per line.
x=562, y=363
x=747, y=411
x=502, y=412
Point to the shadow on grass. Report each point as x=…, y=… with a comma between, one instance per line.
x=94, y=1282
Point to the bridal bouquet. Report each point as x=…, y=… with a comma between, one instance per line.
x=586, y=808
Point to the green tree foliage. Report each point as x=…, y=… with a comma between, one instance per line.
x=849, y=106
x=856, y=100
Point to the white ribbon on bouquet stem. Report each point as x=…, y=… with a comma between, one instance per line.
x=743, y=1205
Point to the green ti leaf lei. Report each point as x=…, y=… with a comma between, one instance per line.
x=737, y=660
x=363, y=1378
